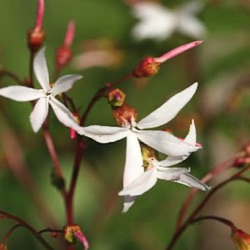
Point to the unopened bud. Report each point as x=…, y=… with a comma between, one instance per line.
x=241, y=239
x=36, y=39
x=147, y=67
x=63, y=56
x=124, y=114
x=116, y=98
x=73, y=233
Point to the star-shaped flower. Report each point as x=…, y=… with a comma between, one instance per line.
x=162, y=170
x=45, y=96
x=159, y=23
x=161, y=141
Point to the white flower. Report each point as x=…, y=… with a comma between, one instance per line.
x=159, y=23
x=161, y=170
x=161, y=141
x=44, y=96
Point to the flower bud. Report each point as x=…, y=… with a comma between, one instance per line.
x=147, y=67
x=241, y=239
x=36, y=35
x=73, y=233
x=124, y=114
x=36, y=39
x=116, y=98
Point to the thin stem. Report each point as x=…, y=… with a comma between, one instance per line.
x=214, y=172
x=179, y=232
x=70, y=195
x=54, y=158
x=216, y=218
x=26, y=225
x=31, y=74
x=11, y=75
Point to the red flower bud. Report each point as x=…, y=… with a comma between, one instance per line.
x=241, y=239
x=124, y=114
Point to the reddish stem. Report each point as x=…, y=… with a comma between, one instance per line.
x=54, y=158
x=189, y=220
x=215, y=171
x=22, y=223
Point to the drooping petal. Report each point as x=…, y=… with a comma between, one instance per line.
x=64, y=83
x=191, y=139
x=63, y=114
x=133, y=166
x=41, y=70
x=191, y=26
x=39, y=113
x=142, y=184
x=170, y=174
x=21, y=93
x=169, y=109
x=104, y=134
x=190, y=181
x=165, y=142
x=128, y=201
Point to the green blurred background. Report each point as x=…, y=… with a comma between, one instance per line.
x=220, y=108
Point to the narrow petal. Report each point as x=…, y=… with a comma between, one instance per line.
x=133, y=167
x=21, y=93
x=165, y=142
x=142, y=184
x=41, y=70
x=191, y=136
x=128, y=201
x=190, y=181
x=104, y=134
x=169, y=109
x=64, y=83
x=133, y=163
x=63, y=114
x=191, y=139
x=171, y=174
x=39, y=113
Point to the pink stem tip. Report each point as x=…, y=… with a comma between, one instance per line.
x=177, y=51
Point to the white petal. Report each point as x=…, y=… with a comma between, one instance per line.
x=142, y=184
x=171, y=174
x=104, y=134
x=165, y=142
x=191, y=26
x=41, y=70
x=191, y=139
x=63, y=114
x=169, y=109
x=133, y=163
x=64, y=83
x=133, y=167
x=39, y=113
x=190, y=181
x=21, y=93
x=156, y=21
x=191, y=136
x=128, y=202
